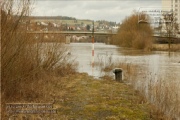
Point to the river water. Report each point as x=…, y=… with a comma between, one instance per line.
x=159, y=78
x=155, y=61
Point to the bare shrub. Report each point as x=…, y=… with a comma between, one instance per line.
x=134, y=34
x=26, y=62
x=142, y=42
x=16, y=63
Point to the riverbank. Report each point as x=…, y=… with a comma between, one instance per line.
x=165, y=47
x=80, y=96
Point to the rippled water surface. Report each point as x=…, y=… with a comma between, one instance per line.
x=156, y=62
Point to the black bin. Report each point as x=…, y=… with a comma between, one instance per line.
x=118, y=74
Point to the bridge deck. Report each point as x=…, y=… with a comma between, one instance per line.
x=72, y=32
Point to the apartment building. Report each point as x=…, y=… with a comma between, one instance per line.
x=172, y=5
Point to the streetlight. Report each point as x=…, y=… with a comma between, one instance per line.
x=93, y=45
x=93, y=49
x=142, y=21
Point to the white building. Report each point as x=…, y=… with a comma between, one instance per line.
x=173, y=5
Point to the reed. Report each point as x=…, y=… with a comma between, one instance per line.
x=165, y=47
x=162, y=92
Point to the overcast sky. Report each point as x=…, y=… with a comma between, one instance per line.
x=111, y=10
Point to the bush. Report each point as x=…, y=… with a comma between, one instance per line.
x=132, y=34
x=26, y=62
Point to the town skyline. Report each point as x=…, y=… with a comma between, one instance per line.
x=114, y=10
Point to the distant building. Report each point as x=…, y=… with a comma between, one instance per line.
x=172, y=5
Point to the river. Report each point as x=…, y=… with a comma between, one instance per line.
x=155, y=61
x=158, y=78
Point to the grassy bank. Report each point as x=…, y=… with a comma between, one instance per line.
x=82, y=97
x=102, y=99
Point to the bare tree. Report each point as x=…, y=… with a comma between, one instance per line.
x=170, y=26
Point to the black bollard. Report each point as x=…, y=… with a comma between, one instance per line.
x=118, y=74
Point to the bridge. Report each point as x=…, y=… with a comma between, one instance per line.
x=37, y=34
x=73, y=33
x=165, y=39
x=67, y=35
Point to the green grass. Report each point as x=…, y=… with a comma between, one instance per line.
x=90, y=99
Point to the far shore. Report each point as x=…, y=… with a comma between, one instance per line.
x=165, y=47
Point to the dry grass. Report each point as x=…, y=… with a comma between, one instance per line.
x=80, y=96
x=165, y=47
x=165, y=95
x=162, y=93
